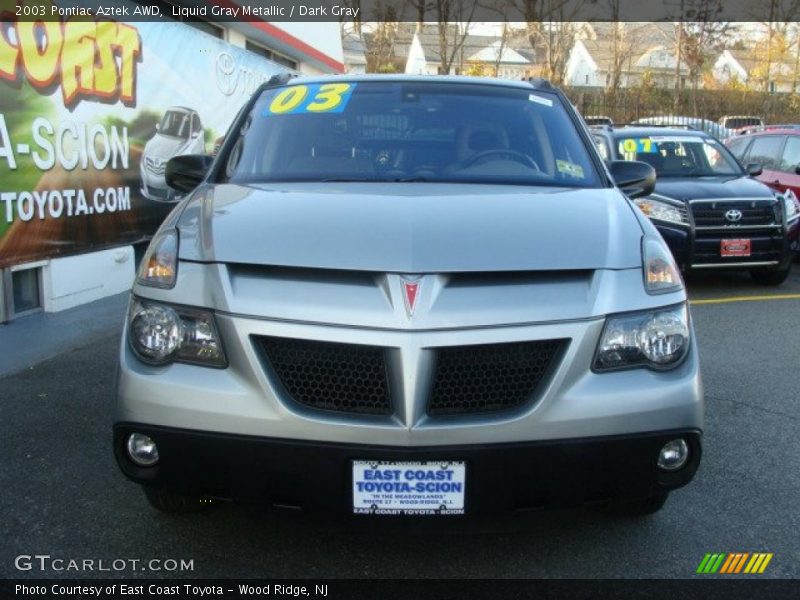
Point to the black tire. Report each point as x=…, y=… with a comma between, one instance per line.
x=771, y=277
x=640, y=507
x=175, y=503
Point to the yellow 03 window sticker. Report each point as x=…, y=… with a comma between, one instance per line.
x=310, y=99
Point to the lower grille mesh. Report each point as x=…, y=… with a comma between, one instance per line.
x=480, y=379
x=347, y=378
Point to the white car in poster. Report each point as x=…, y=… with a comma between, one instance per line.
x=179, y=132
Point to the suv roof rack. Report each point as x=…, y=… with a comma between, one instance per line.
x=665, y=125
x=540, y=82
x=281, y=78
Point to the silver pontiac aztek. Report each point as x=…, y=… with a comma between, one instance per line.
x=395, y=295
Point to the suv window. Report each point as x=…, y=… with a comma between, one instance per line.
x=680, y=156
x=737, y=122
x=738, y=146
x=765, y=150
x=790, y=157
x=411, y=130
x=602, y=147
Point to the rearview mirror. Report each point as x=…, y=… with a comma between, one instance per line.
x=754, y=169
x=634, y=178
x=184, y=173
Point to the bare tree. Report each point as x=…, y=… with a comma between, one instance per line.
x=703, y=39
x=779, y=13
x=551, y=27
x=421, y=7
x=626, y=38
x=380, y=42
x=454, y=18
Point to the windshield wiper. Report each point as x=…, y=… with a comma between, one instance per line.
x=412, y=179
x=348, y=180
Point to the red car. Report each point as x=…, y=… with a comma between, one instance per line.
x=778, y=153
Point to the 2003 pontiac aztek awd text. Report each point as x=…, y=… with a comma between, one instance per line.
x=417, y=296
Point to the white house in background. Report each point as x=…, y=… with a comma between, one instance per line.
x=749, y=70
x=647, y=49
x=416, y=63
x=422, y=53
x=728, y=68
x=511, y=64
x=582, y=68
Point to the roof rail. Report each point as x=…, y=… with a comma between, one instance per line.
x=540, y=82
x=664, y=125
x=281, y=78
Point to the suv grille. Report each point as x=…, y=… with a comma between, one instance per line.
x=712, y=214
x=493, y=377
x=347, y=378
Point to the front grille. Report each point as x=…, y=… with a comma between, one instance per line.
x=712, y=214
x=156, y=167
x=348, y=378
x=488, y=378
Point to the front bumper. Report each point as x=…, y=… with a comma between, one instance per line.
x=695, y=249
x=317, y=476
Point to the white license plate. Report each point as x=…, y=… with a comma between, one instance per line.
x=409, y=488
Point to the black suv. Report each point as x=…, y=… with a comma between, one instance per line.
x=710, y=210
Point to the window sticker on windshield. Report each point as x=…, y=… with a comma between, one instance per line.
x=639, y=146
x=311, y=99
x=569, y=168
x=540, y=100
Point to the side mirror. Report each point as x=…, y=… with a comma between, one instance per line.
x=754, y=169
x=184, y=173
x=634, y=178
x=797, y=169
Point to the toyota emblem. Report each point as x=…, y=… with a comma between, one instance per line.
x=733, y=215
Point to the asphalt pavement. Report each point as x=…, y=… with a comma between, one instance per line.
x=63, y=496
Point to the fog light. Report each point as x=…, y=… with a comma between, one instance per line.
x=142, y=450
x=673, y=455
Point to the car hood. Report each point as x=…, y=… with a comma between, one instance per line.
x=694, y=188
x=164, y=146
x=411, y=227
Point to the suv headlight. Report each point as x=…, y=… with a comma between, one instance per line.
x=657, y=339
x=659, y=210
x=160, y=334
x=160, y=263
x=661, y=274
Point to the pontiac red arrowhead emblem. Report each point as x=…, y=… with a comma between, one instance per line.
x=410, y=295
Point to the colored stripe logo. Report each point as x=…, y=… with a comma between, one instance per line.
x=732, y=563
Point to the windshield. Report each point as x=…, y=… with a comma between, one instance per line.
x=678, y=156
x=175, y=123
x=410, y=131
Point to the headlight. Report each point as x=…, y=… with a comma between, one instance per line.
x=791, y=205
x=655, y=339
x=160, y=263
x=662, y=211
x=160, y=334
x=661, y=274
